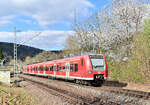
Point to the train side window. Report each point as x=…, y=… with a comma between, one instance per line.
x=44, y=68
x=71, y=67
x=82, y=62
x=47, y=68
x=60, y=68
x=76, y=67
x=63, y=67
x=52, y=68
x=57, y=67
x=41, y=68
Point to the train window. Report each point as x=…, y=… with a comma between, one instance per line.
x=47, y=68
x=60, y=68
x=41, y=68
x=82, y=62
x=57, y=67
x=71, y=67
x=76, y=68
x=63, y=67
x=44, y=68
x=52, y=68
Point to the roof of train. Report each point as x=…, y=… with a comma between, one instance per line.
x=64, y=59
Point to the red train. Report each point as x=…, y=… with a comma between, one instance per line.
x=85, y=69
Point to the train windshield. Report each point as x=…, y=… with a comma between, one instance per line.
x=97, y=62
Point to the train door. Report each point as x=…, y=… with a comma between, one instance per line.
x=55, y=70
x=67, y=69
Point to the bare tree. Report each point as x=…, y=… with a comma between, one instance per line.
x=115, y=25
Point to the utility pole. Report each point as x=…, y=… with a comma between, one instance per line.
x=15, y=52
x=93, y=43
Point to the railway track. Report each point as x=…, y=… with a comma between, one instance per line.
x=72, y=97
x=119, y=90
x=132, y=93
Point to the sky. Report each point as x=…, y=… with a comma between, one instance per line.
x=53, y=18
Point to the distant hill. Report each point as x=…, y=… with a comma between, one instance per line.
x=23, y=51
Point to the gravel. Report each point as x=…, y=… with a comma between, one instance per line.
x=86, y=91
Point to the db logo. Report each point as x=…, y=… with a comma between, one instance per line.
x=99, y=72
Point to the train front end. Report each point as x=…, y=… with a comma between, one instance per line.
x=98, y=68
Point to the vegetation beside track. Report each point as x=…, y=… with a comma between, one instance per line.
x=14, y=96
x=137, y=67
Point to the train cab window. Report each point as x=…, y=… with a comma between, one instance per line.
x=71, y=67
x=76, y=67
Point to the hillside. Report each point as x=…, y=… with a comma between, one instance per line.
x=23, y=51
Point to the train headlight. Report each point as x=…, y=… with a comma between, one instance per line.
x=90, y=72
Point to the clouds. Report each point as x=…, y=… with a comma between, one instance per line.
x=47, y=40
x=41, y=15
x=46, y=12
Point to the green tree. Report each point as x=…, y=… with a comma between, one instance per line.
x=1, y=54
